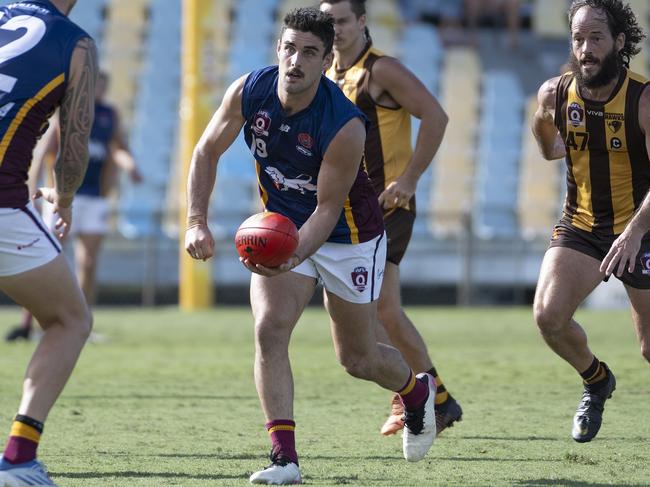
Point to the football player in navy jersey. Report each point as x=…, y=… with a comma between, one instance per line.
x=33, y=272
x=300, y=126
x=108, y=153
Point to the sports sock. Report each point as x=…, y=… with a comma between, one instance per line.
x=23, y=440
x=441, y=391
x=595, y=375
x=414, y=392
x=282, y=432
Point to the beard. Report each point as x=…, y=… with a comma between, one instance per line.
x=610, y=67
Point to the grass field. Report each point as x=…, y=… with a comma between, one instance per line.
x=168, y=400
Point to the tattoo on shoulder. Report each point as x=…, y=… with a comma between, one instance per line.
x=76, y=117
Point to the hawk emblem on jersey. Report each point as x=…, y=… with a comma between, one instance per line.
x=360, y=278
x=575, y=114
x=302, y=183
x=261, y=123
x=645, y=264
x=614, y=125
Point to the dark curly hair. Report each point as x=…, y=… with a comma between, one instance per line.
x=310, y=19
x=620, y=19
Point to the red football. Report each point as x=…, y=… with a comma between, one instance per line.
x=267, y=238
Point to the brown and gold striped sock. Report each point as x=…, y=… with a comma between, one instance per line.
x=595, y=374
x=441, y=391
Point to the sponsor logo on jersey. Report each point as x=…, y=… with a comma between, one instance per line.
x=300, y=183
x=616, y=143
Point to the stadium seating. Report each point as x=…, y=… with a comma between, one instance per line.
x=121, y=51
x=549, y=19
x=498, y=156
x=453, y=172
x=539, y=185
x=155, y=121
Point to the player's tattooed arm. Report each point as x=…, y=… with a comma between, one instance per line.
x=76, y=118
x=548, y=138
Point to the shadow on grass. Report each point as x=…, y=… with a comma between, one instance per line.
x=568, y=483
x=179, y=397
x=225, y=456
x=550, y=438
x=511, y=438
x=143, y=475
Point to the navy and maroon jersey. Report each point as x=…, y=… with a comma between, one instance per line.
x=100, y=138
x=289, y=151
x=36, y=44
x=608, y=171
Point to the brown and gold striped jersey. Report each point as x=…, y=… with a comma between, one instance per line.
x=388, y=141
x=608, y=171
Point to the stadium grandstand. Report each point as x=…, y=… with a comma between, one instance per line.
x=486, y=205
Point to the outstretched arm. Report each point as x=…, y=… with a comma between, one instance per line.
x=625, y=249
x=220, y=133
x=548, y=138
x=407, y=90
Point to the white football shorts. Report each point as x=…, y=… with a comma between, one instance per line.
x=25, y=241
x=89, y=215
x=354, y=272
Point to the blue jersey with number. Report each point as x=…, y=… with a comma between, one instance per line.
x=36, y=44
x=289, y=150
x=98, y=149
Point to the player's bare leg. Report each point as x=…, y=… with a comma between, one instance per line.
x=402, y=333
x=86, y=253
x=277, y=303
x=640, y=304
x=566, y=278
x=51, y=293
x=354, y=334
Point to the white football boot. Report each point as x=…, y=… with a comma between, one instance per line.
x=281, y=471
x=420, y=424
x=28, y=474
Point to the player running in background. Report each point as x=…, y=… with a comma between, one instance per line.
x=46, y=62
x=597, y=116
x=297, y=122
x=108, y=153
x=388, y=94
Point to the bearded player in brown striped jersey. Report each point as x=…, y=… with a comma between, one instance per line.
x=597, y=116
x=388, y=94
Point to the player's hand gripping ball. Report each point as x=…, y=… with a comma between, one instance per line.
x=267, y=238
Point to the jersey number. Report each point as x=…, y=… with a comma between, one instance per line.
x=258, y=147
x=575, y=138
x=34, y=30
